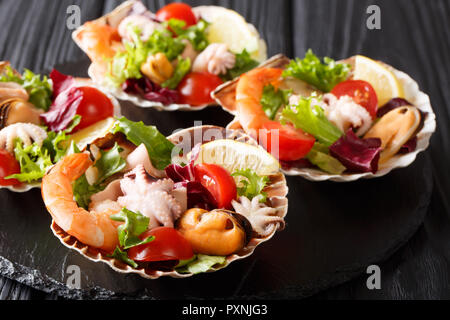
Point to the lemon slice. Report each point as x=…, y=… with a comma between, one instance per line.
x=229, y=27
x=88, y=135
x=384, y=82
x=234, y=155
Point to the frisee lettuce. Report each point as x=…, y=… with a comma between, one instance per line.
x=39, y=90
x=127, y=64
x=34, y=160
x=252, y=185
x=196, y=34
x=272, y=99
x=323, y=76
x=310, y=117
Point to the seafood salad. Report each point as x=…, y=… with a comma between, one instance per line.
x=324, y=119
x=151, y=207
x=174, y=57
x=38, y=116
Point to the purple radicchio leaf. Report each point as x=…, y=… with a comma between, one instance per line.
x=357, y=155
x=150, y=91
x=63, y=109
x=184, y=177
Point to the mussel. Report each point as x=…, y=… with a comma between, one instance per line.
x=16, y=110
x=394, y=129
x=217, y=232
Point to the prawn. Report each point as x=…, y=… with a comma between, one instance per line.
x=249, y=91
x=92, y=228
x=100, y=42
x=283, y=141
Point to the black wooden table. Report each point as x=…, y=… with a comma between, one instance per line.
x=414, y=37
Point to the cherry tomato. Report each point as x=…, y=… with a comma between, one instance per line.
x=8, y=166
x=94, y=107
x=195, y=89
x=293, y=144
x=180, y=11
x=361, y=92
x=218, y=182
x=169, y=244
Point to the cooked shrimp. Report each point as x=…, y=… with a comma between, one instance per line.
x=249, y=91
x=100, y=42
x=93, y=228
x=278, y=139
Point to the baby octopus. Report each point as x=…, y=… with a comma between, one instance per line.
x=150, y=197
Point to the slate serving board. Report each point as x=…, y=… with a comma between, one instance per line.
x=334, y=231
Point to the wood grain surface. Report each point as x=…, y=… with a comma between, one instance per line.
x=414, y=37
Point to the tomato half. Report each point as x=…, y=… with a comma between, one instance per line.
x=94, y=106
x=361, y=92
x=8, y=166
x=180, y=11
x=195, y=89
x=169, y=244
x=293, y=144
x=218, y=182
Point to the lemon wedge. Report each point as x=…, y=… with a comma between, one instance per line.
x=229, y=27
x=88, y=135
x=384, y=82
x=234, y=155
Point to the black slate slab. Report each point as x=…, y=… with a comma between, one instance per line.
x=334, y=231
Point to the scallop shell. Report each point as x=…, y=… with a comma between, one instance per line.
x=277, y=191
x=24, y=187
x=113, y=19
x=225, y=96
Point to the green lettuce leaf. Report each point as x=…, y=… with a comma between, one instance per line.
x=127, y=64
x=34, y=160
x=129, y=232
x=323, y=76
x=201, y=264
x=39, y=90
x=158, y=147
x=123, y=256
x=244, y=63
x=109, y=163
x=182, y=68
x=272, y=99
x=319, y=156
x=311, y=119
x=253, y=185
x=196, y=34
x=82, y=191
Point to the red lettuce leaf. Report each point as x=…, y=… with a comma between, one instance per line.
x=357, y=155
x=184, y=177
x=63, y=109
x=61, y=82
x=409, y=146
x=148, y=90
